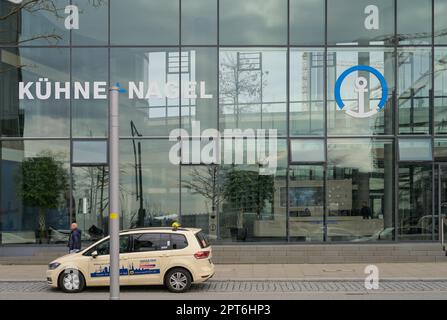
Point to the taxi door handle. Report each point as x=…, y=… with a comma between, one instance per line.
x=163, y=255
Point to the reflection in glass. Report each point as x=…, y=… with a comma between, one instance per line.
x=307, y=150
x=415, y=150
x=199, y=64
x=414, y=21
x=251, y=209
x=306, y=92
x=91, y=201
x=153, y=116
x=89, y=117
x=440, y=91
x=415, y=202
x=307, y=15
x=360, y=22
x=199, y=22
x=252, y=88
x=354, y=192
x=93, y=23
x=148, y=22
x=37, y=117
x=440, y=22
x=253, y=22
x=201, y=197
x=150, y=196
x=306, y=203
x=34, y=23
x=360, y=190
x=440, y=150
x=339, y=61
x=414, y=85
x=440, y=189
x=34, y=192
x=90, y=152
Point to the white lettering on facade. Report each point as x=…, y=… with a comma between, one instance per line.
x=372, y=20
x=44, y=90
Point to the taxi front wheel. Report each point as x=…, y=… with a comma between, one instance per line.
x=178, y=280
x=71, y=281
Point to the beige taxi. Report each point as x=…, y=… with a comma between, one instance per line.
x=174, y=257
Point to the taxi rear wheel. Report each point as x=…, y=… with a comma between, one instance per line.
x=71, y=281
x=178, y=280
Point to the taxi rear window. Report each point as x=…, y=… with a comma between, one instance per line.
x=158, y=241
x=202, y=239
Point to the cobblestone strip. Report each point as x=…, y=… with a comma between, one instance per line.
x=268, y=286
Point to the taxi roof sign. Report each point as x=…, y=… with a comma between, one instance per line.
x=175, y=226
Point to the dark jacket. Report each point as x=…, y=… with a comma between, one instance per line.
x=366, y=212
x=74, y=241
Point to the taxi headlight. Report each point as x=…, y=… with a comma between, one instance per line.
x=53, y=265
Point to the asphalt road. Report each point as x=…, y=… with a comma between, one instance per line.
x=241, y=290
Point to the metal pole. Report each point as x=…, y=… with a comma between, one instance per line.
x=442, y=232
x=114, y=207
x=141, y=211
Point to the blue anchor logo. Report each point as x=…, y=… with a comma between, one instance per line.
x=361, y=84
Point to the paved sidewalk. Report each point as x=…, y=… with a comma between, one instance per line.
x=387, y=271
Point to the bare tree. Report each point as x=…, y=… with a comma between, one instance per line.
x=11, y=14
x=240, y=79
x=209, y=183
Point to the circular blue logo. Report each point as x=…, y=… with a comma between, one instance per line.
x=359, y=82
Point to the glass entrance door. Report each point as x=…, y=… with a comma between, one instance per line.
x=90, y=201
x=441, y=199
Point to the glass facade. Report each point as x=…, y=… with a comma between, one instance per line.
x=225, y=65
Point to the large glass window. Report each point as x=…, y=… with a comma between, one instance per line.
x=440, y=150
x=360, y=22
x=202, y=194
x=440, y=195
x=254, y=22
x=307, y=92
x=415, y=202
x=414, y=85
x=440, y=22
x=34, y=192
x=414, y=21
x=149, y=183
x=155, y=114
x=360, y=190
x=237, y=202
x=34, y=23
x=89, y=116
x=339, y=121
x=199, y=22
x=89, y=152
x=252, y=88
x=307, y=15
x=90, y=198
x=306, y=203
x=307, y=150
x=148, y=22
x=32, y=116
x=415, y=150
x=93, y=23
x=242, y=67
x=251, y=209
x=440, y=91
x=199, y=67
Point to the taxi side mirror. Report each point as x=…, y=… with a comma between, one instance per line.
x=94, y=254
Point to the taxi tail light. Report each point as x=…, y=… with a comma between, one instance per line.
x=202, y=254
